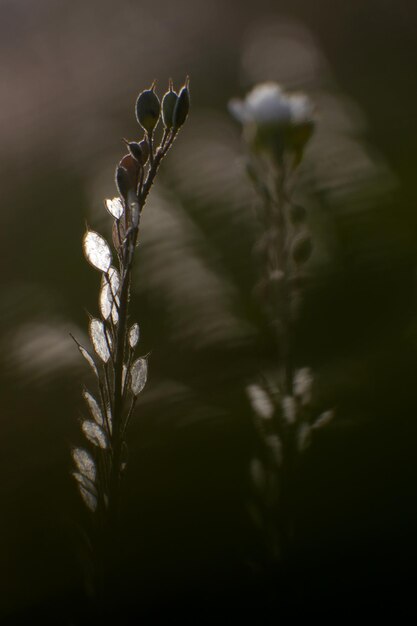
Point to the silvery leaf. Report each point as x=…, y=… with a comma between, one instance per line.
x=95, y=434
x=90, y=500
x=114, y=207
x=97, y=251
x=138, y=375
x=84, y=463
x=89, y=359
x=94, y=407
x=109, y=299
x=133, y=335
x=85, y=482
x=98, y=339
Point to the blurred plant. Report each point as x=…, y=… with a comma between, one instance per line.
x=120, y=377
x=276, y=129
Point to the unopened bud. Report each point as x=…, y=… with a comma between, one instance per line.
x=144, y=146
x=301, y=248
x=132, y=167
x=122, y=181
x=182, y=107
x=135, y=150
x=169, y=102
x=148, y=109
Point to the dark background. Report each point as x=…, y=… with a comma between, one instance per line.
x=71, y=72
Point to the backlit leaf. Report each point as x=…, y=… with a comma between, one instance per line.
x=114, y=207
x=85, y=482
x=97, y=251
x=138, y=375
x=109, y=299
x=90, y=500
x=134, y=335
x=94, y=407
x=95, y=434
x=89, y=359
x=100, y=339
x=84, y=463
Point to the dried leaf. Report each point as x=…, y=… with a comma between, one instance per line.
x=97, y=251
x=94, y=407
x=89, y=359
x=100, y=339
x=114, y=207
x=95, y=434
x=84, y=463
x=138, y=375
x=134, y=335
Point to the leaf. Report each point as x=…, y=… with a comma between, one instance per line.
x=134, y=335
x=89, y=359
x=109, y=299
x=95, y=434
x=114, y=207
x=97, y=251
x=260, y=401
x=84, y=463
x=138, y=375
x=323, y=419
x=118, y=234
x=303, y=437
x=109, y=418
x=94, y=407
x=90, y=500
x=124, y=374
x=100, y=339
x=85, y=482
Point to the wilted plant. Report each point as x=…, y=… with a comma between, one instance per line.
x=120, y=375
x=276, y=129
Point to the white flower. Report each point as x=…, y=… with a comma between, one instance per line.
x=268, y=105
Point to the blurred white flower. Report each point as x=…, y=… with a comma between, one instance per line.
x=267, y=104
x=274, y=120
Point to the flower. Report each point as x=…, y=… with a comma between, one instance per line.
x=274, y=119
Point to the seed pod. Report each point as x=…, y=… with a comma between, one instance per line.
x=301, y=248
x=182, y=107
x=148, y=109
x=169, y=102
x=132, y=167
x=144, y=146
x=122, y=181
x=135, y=150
